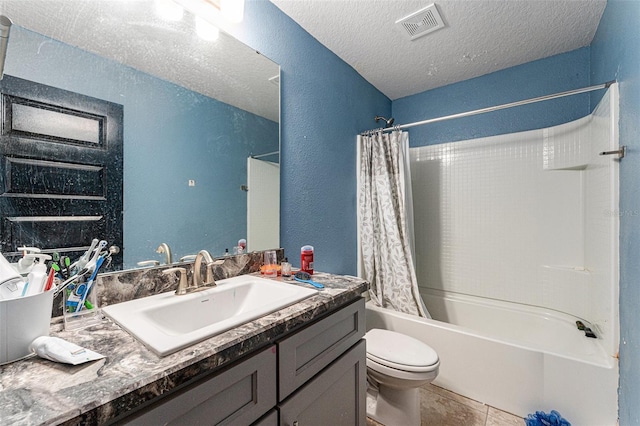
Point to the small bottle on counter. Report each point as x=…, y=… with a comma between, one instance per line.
x=306, y=259
x=285, y=268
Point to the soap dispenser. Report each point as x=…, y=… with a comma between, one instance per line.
x=26, y=261
x=37, y=278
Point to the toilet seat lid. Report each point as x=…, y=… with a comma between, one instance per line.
x=398, y=350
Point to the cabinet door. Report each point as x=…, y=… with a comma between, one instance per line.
x=336, y=396
x=270, y=419
x=239, y=395
x=304, y=354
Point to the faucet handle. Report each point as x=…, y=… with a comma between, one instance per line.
x=182, y=284
x=210, y=273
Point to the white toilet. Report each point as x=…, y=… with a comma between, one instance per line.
x=397, y=365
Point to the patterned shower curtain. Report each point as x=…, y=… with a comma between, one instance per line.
x=385, y=216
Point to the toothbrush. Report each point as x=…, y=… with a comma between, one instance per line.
x=49, y=282
x=84, y=259
x=90, y=268
x=90, y=283
x=91, y=264
x=68, y=281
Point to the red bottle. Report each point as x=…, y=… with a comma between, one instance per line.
x=306, y=259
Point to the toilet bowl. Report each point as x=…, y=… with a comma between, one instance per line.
x=397, y=365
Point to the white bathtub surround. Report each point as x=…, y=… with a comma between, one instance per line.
x=516, y=358
x=530, y=217
x=385, y=234
x=516, y=239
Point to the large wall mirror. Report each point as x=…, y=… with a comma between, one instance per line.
x=200, y=118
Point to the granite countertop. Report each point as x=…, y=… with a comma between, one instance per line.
x=36, y=391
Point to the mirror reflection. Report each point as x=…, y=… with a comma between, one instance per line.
x=199, y=119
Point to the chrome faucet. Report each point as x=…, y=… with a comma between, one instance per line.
x=197, y=273
x=164, y=248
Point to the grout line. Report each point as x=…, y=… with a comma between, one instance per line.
x=469, y=402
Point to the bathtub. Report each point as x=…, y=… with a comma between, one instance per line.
x=517, y=358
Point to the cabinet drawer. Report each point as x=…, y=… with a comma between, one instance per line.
x=336, y=396
x=239, y=395
x=270, y=419
x=304, y=354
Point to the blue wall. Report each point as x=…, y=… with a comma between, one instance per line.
x=325, y=104
x=171, y=135
x=615, y=54
x=550, y=75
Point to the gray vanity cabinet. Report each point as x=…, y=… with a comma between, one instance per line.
x=336, y=396
x=270, y=419
x=239, y=395
x=303, y=354
x=322, y=371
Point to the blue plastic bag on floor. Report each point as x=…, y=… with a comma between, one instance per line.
x=540, y=418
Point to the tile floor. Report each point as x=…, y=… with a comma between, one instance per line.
x=441, y=407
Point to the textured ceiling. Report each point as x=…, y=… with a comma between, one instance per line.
x=130, y=33
x=480, y=36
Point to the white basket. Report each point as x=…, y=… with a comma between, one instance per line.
x=21, y=321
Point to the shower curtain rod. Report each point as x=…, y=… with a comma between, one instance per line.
x=496, y=108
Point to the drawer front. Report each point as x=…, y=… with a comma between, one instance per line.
x=270, y=419
x=336, y=396
x=239, y=395
x=304, y=354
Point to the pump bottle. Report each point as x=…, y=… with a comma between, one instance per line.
x=37, y=278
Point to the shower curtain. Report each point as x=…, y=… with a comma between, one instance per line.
x=385, y=215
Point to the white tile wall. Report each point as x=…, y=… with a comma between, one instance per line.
x=527, y=217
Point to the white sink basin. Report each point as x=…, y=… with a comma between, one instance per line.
x=166, y=323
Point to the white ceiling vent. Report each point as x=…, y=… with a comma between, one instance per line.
x=422, y=22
